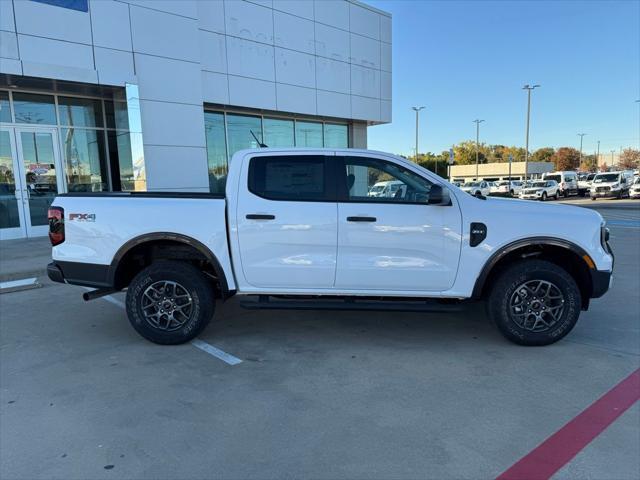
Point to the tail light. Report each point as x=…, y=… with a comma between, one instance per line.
x=56, y=225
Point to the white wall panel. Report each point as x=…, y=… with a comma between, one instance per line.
x=365, y=51
x=332, y=12
x=385, y=110
x=332, y=75
x=249, y=21
x=364, y=21
x=333, y=104
x=301, y=8
x=250, y=59
x=385, y=28
x=6, y=16
x=365, y=108
x=385, y=57
x=114, y=67
x=211, y=15
x=110, y=24
x=168, y=80
x=186, y=8
x=215, y=88
x=164, y=34
x=59, y=72
x=295, y=68
x=176, y=168
x=7, y=65
x=9, y=45
x=332, y=43
x=34, y=18
x=293, y=32
x=247, y=92
x=55, y=52
x=213, y=52
x=385, y=85
x=172, y=123
x=296, y=99
x=365, y=81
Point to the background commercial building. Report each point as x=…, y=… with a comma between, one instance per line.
x=108, y=95
x=498, y=171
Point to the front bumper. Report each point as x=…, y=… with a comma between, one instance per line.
x=600, y=282
x=607, y=194
x=530, y=196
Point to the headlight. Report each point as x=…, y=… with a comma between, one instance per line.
x=615, y=186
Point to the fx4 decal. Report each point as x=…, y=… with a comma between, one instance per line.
x=82, y=217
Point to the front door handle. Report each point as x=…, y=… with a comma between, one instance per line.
x=361, y=219
x=259, y=216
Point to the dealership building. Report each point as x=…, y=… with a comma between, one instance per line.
x=121, y=95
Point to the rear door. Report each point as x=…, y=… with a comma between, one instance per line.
x=287, y=221
x=398, y=243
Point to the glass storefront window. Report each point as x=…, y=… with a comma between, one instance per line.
x=116, y=114
x=9, y=217
x=80, y=112
x=239, y=129
x=5, y=107
x=122, y=176
x=84, y=155
x=336, y=136
x=278, y=132
x=34, y=108
x=216, y=151
x=308, y=134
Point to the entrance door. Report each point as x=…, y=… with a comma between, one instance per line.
x=35, y=180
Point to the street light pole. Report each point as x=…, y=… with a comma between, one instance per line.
x=581, y=135
x=528, y=88
x=417, y=109
x=477, y=122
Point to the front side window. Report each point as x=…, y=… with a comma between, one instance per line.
x=374, y=180
x=294, y=178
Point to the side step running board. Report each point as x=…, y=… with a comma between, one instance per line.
x=349, y=303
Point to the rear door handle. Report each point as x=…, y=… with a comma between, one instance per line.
x=361, y=219
x=258, y=216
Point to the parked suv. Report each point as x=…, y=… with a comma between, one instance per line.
x=540, y=190
x=634, y=191
x=584, y=183
x=610, y=185
x=567, y=182
x=477, y=189
x=505, y=189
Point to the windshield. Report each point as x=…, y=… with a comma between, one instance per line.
x=591, y=177
x=539, y=184
x=606, y=177
x=472, y=184
x=557, y=178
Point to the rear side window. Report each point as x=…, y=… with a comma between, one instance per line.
x=292, y=177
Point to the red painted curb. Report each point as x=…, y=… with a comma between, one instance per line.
x=558, y=450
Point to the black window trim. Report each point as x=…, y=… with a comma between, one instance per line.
x=329, y=178
x=343, y=194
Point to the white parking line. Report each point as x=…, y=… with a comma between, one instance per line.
x=216, y=352
x=204, y=346
x=17, y=283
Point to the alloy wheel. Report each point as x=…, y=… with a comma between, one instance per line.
x=166, y=305
x=536, y=305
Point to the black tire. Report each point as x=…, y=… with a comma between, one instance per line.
x=544, y=196
x=478, y=194
x=185, y=326
x=555, y=197
x=509, y=285
x=593, y=198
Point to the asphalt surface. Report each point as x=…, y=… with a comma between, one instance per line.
x=317, y=394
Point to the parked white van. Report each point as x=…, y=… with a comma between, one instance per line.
x=567, y=182
x=611, y=185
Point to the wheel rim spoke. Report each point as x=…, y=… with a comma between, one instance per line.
x=166, y=305
x=536, y=305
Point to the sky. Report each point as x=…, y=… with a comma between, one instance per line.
x=464, y=60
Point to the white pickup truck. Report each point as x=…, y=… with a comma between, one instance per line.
x=298, y=229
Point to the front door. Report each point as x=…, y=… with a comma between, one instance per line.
x=34, y=180
x=395, y=241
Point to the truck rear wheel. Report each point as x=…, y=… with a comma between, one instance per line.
x=170, y=302
x=534, y=302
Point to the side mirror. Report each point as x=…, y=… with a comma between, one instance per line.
x=437, y=195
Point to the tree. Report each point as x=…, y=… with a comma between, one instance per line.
x=629, y=159
x=566, y=158
x=589, y=163
x=465, y=153
x=604, y=167
x=543, y=154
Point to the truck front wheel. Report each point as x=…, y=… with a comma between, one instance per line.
x=534, y=302
x=170, y=302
